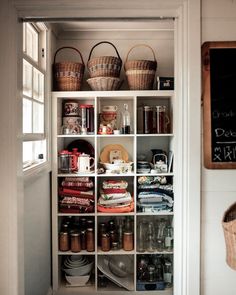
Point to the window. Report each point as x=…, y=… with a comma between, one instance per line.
x=34, y=99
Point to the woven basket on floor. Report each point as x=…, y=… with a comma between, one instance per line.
x=104, y=66
x=229, y=226
x=140, y=64
x=140, y=79
x=68, y=76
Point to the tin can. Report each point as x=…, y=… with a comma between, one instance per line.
x=70, y=109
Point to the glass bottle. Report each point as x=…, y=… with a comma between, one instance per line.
x=160, y=237
x=120, y=234
x=168, y=274
x=125, y=120
x=142, y=229
x=150, y=237
x=169, y=238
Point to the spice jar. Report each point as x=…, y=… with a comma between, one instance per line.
x=106, y=244
x=75, y=243
x=90, y=244
x=64, y=241
x=128, y=241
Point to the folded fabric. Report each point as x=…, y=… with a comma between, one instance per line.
x=82, y=196
x=119, y=184
x=74, y=200
x=123, y=209
x=114, y=196
x=64, y=208
x=152, y=179
x=113, y=190
x=77, y=183
x=77, y=179
x=127, y=198
x=76, y=192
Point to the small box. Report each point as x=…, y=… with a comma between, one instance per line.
x=165, y=83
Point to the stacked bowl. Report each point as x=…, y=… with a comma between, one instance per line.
x=77, y=269
x=104, y=71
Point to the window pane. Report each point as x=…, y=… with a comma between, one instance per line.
x=27, y=78
x=27, y=152
x=27, y=116
x=32, y=42
x=38, y=117
x=34, y=152
x=40, y=150
x=38, y=87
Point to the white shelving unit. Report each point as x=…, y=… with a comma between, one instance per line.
x=134, y=143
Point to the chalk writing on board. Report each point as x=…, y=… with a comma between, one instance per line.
x=219, y=102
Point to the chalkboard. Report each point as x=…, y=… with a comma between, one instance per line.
x=219, y=104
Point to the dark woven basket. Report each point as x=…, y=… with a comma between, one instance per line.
x=229, y=226
x=68, y=76
x=104, y=66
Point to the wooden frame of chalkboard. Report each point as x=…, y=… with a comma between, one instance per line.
x=219, y=104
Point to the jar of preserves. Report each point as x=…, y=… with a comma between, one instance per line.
x=75, y=243
x=90, y=243
x=64, y=241
x=101, y=231
x=105, y=243
x=128, y=240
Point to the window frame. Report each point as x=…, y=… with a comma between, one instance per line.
x=42, y=65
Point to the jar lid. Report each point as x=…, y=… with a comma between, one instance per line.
x=83, y=106
x=114, y=245
x=63, y=233
x=89, y=229
x=128, y=233
x=75, y=234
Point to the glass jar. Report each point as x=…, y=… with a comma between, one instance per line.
x=105, y=242
x=168, y=238
x=83, y=239
x=141, y=232
x=75, y=243
x=161, y=120
x=147, y=119
x=101, y=231
x=125, y=120
x=64, y=241
x=128, y=241
x=90, y=244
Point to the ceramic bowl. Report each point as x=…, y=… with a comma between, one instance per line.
x=77, y=280
x=79, y=271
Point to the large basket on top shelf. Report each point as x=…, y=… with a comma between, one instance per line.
x=229, y=226
x=68, y=75
x=104, y=66
x=140, y=73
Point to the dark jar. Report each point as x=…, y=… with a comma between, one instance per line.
x=64, y=241
x=83, y=239
x=75, y=243
x=147, y=119
x=106, y=243
x=90, y=244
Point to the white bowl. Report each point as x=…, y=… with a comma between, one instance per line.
x=79, y=271
x=77, y=280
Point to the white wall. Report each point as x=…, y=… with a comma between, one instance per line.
x=37, y=235
x=218, y=186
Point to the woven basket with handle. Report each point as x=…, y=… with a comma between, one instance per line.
x=140, y=64
x=229, y=226
x=104, y=66
x=68, y=76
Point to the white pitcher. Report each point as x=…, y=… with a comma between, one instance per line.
x=84, y=163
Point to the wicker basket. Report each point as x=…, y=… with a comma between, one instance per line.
x=229, y=226
x=104, y=66
x=104, y=83
x=68, y=76
x=140, y=64
x=140, y=79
